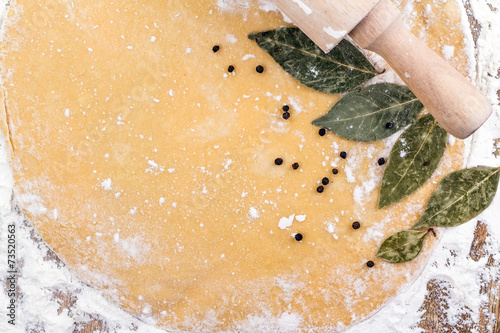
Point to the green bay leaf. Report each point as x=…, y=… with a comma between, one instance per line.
x=413, y=160
x=342, y=69
x=402, y=246
x=460, y=196
x=372, y=113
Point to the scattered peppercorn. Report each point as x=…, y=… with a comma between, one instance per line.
x=381, y=161
x=356, y=225
x=320, y=189
x=389, y=125
x=325, y=181
x=278, y=161
x=286, y=108
x=298, y=237
x=335, y=171
x=230, y=69
x=259, y=69
x=322, y=132
x=286, y=115
x=370, y=264
x=216, y=48
x=295, y=166
x=427, y=163
x=343, y=155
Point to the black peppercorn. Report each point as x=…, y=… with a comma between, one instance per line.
x=320, y=189
x=343, y=155
x=286, y=115
x=230, y=69
x=216, y=48
x=286, y=108
x=295, y=166
x=298, y=237
x=322, y=132
x=335, y=171
x=427, y=163
x=278, y=161
x=356, y=225
x=381, y=161
x=370, y=264
x=259, y=69
x=325, y=181
x=389, y=125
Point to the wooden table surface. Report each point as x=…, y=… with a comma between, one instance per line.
x=433, y=309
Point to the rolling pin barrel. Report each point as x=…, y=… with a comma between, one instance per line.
x=457, y=105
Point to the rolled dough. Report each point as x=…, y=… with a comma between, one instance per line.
x=149, y=168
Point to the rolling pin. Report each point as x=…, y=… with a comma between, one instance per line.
x=377, y=25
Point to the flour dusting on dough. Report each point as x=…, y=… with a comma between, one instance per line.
x=337, y=34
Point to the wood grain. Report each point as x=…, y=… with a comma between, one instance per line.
x=489, y=317
x=436, y=302
x=326, y=22
x=477, y=248
x=66, y=299
x=434, y=308
x=496, y=145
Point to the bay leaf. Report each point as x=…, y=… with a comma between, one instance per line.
x=402, y=246
x=342, y=69
x=460, y=196
x=413, y=160
x=372, y=113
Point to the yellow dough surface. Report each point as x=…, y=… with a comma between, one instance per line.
x=149, y=168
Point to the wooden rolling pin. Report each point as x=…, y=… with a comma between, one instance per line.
x=377, y=25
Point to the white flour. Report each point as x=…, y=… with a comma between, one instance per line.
x=39, y=278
